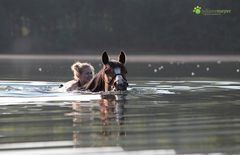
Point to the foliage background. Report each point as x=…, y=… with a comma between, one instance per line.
x=139, y=26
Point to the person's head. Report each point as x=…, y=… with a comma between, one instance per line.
x=83, y=72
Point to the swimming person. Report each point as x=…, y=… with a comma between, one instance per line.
x=82, y=74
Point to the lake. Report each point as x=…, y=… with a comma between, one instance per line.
x=174, y=105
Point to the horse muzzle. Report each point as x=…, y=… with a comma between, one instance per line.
x=121, y=86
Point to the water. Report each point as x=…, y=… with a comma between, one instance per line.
x=162, y=111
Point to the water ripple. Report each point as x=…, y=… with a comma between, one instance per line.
x=197, y=116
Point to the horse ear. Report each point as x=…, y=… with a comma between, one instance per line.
x=105, y=58
x=122, y=57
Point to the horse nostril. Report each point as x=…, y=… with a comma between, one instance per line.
x=121, y=86
x=115, y=84
x=125, y=84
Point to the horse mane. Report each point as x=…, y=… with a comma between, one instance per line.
x=96, y=84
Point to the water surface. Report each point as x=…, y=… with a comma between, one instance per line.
x=180, y=113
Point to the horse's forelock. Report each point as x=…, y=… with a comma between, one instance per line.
x=114, y=64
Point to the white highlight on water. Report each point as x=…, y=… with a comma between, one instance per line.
x=160, y=68
x=89, y=150
x=207, y=69
x=30, y=100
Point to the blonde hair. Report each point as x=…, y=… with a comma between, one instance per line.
x=78, y=67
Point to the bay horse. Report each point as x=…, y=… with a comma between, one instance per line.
x=112, y=76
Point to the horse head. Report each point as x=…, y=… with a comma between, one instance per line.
x=114, y=72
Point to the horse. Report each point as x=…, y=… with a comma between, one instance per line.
x=112, y=76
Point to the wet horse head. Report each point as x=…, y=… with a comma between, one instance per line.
x=112, y=76
x=114, y=72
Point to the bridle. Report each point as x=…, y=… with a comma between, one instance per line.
x=114, y=77
x=112, y=80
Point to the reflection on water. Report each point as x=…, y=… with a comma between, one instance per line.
x=109, y=121
x=187, y=116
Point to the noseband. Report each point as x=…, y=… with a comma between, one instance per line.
x=113, y=78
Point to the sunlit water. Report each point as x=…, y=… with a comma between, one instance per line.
x=174, y=115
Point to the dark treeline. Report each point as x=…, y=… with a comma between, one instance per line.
x=160, y=26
